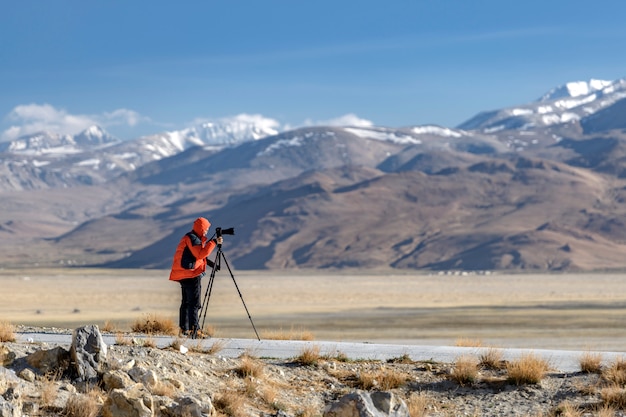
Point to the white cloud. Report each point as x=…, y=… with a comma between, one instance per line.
x=32, y=118
x=349, y=119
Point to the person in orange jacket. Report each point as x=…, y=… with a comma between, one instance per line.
x=188, y=268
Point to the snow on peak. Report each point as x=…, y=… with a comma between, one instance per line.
x=383, y=135
x=435, y=130
x=576, y=89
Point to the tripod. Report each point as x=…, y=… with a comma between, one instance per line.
x=207, y=295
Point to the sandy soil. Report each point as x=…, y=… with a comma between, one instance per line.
x=569, y=311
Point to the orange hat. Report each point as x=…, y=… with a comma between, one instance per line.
x=201, y=226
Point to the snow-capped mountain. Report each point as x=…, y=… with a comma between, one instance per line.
x=563, y=105
x=212, y=134
x=53, y=144
x=94, y=136
x=94, y=156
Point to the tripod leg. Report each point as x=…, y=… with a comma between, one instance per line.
x=207, y=294
x=240, y=296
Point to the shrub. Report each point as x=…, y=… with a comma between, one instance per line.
x=528, y=369
x=289, y=335
x=464, y=342
x=155, y=324
x=419, y=404
x=309, y=356
x=49, y=393
x=230, y=402
x=383, y=379
x=567, y=409
x=616, y=373
x=492, y=359
x=249, y=367
x=7, y=332
x=109, y=327
x=82, y=405
x=613, y=396
x=401, y=359
x=591, y=363
x=465, y=370
x=122, y=340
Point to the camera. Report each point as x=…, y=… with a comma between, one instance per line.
x=219, y=231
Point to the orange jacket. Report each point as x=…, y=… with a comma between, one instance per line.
x=192, y=251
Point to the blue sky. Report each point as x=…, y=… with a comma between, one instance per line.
x=140, y=67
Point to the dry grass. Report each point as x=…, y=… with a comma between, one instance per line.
x=149, y=342
x=292, y=334
x=492, y=359
x=155, y=324
x=109, y=327
x=591, y=363
x=419, y=404
x=250, y=367
x=465, y=370
x=230, y=402
x=7, y=332
x=528, y=369
x=177, y=343
x=402, y=359
x=466, y=342
x=567, y=409
x=309, y=356
x=216, y=347
x=613, y=396
x=605, y=411
x=83, y=405
x=383, y=379
x=122, y=340
x=49, y=393
x=616, y=372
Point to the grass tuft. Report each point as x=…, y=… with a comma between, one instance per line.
x=7, y=332
x=231, y=403
x=382, y=379
x=613, y=396
x=492, y=359
x=465, y=370
x=528, y=369
x=289, y=335
x=591, y=363
x=465, y=342
x=419, y=404
x=82, y=405
x=155, y=324
x=249, y=367
x=309, y=356
x=616, y=372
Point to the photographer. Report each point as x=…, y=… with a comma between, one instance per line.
x=188, y=268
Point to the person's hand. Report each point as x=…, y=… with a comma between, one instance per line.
x=219, y=240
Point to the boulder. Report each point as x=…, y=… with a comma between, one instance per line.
x=49, y=361
x=116, y=379
x=134, y=401
x=6, y=356
x=192, y=407
x=365, y=404
x=88, y=352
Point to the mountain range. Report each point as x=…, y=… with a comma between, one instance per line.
x=537, y=187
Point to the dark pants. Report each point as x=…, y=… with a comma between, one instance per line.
x=190, y=306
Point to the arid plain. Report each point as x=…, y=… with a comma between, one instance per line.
x=556, y=311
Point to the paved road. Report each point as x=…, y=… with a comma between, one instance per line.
x=560, y=360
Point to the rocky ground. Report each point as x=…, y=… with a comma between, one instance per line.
x=184, y=379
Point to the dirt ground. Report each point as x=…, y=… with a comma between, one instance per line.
x=553, y=311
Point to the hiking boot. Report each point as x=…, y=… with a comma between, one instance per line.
x=200, y=335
